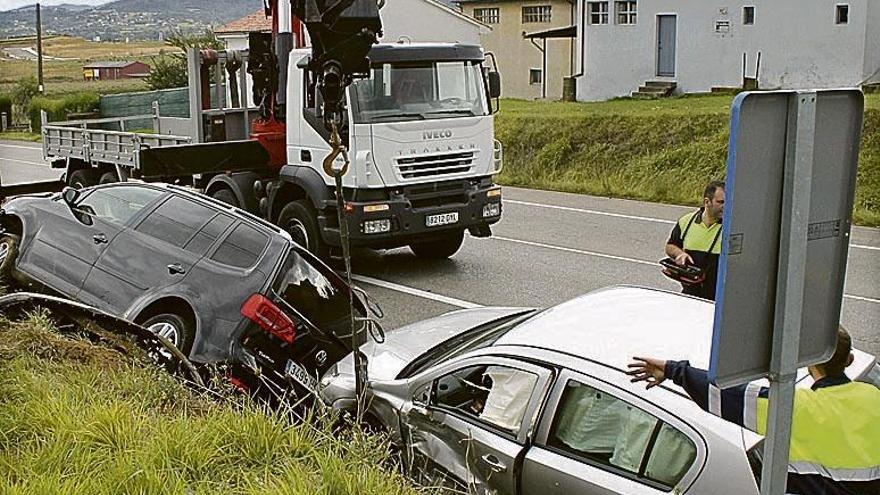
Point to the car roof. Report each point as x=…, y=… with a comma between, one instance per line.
x=612, y=325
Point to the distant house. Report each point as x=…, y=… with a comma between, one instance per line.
x=99, y=71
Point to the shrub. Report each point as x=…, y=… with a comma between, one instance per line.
x=169, y=70
x=59, y=109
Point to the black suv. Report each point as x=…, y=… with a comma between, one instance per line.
x=219, y=283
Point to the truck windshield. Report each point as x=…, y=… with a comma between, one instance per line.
x=420, y=91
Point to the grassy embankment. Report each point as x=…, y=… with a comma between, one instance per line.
x=76, y=418
x=655, y=150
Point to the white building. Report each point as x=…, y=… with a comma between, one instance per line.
x=701, y=44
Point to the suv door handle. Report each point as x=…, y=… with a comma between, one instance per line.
x=176, y=269
x=100, y=238
x=493, y=463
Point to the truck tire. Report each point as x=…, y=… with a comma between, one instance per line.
x=174, y=328
x=8, y=252
x=440, y=248
x=226, y=196
x=300, y=220
x=108, y=178
x=84, y=177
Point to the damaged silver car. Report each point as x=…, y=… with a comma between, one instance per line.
x=505, y=400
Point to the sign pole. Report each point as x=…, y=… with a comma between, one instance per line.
x=789, y=290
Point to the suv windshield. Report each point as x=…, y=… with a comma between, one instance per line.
x=418, y=91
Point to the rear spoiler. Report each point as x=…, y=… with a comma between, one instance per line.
x=29, y=188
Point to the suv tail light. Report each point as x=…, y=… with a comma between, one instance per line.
x=269, y=317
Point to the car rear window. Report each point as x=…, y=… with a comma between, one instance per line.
x=600, y=429
x=241, y=248
x=176, y=221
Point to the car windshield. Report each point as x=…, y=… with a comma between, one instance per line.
x=475, y=338
x=420, y=91
x=316, y=293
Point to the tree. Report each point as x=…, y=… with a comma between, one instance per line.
x=169, y=70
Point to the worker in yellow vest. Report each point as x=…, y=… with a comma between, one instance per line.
x=696, y=240
x=835, y=437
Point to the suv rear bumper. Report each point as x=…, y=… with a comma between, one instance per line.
x=408, y=208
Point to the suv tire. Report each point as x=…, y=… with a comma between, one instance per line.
x=8, y=252
x=442, y=247
x=300, y=219
x=174, y=328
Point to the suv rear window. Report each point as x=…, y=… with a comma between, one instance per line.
x=242, y=248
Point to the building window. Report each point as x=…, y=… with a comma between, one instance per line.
x=486, y=16
x=626, y=12
x=536, y=13
x=748, y=15
x=841, y=14
x=598, y=12
x=535, y=76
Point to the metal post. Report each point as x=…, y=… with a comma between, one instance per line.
x=789, y=289
x=39, y=52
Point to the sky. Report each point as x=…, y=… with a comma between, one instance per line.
x=14, y=4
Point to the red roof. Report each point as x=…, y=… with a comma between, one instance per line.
x=257, y=21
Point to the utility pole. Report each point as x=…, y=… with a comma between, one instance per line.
x=39, y=52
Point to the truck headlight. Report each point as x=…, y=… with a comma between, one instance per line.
x=491, y=210
x=377, y=226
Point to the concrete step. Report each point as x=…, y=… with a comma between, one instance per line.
x=653, y=89
x=638, y=95
x=661, y=84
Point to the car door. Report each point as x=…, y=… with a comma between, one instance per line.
x=70, y=239
x=159, y=251
x=596, y=439
x=469, y=428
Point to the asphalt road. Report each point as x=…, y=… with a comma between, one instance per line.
x=549, y=247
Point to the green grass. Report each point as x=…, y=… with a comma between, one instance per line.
x=20, y=136
x=77, y=418
x=652, y=150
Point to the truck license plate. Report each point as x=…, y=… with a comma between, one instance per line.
x=300, y=375
x=441, y=219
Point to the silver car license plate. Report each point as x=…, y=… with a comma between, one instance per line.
x=300, y=375
x=441, y=219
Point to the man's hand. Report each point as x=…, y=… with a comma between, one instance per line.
x=682, y=259
x=648, y=370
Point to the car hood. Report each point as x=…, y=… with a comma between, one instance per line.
x=406, y=343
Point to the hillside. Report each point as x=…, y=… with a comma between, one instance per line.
x=127, y=19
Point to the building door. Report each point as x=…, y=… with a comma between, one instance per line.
x=666, y=45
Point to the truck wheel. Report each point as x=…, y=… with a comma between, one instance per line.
x=108, y=178
x=174, y=328
x=300, y=220
x=8, y=253
x=83, y=177
x=440, y=248
x=226, y=196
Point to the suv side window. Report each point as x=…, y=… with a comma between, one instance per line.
x=241, y=248
x=176, y=221
x=602, y=430
x=117, y=204
x=498, y=395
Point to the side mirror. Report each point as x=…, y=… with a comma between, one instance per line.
x=70, y=195
x=494, y=84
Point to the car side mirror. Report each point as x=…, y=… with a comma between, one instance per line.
x=70, y=195
x=494, y=84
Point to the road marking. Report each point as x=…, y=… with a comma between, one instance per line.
x=630, y=217
x=21, y=147
x=591, y=212
x=576, y=251
x=630, y=260
x=24, y=161
x=416, y=292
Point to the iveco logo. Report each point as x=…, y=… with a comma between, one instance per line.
x=444, y=134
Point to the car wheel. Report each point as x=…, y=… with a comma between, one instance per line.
x=108, y=178
x=300, y=220
x=441, y=248
x=83, y=177
x=226, y=196
x=8, y=252
x=174, y=328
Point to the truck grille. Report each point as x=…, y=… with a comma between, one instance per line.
x=417, y=167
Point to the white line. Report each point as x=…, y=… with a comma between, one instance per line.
x=862, y=246
x=21, y=147
x=591, y=212
x=576, y=251
x=630, y=260
x=416, y=292
x=24, y=161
